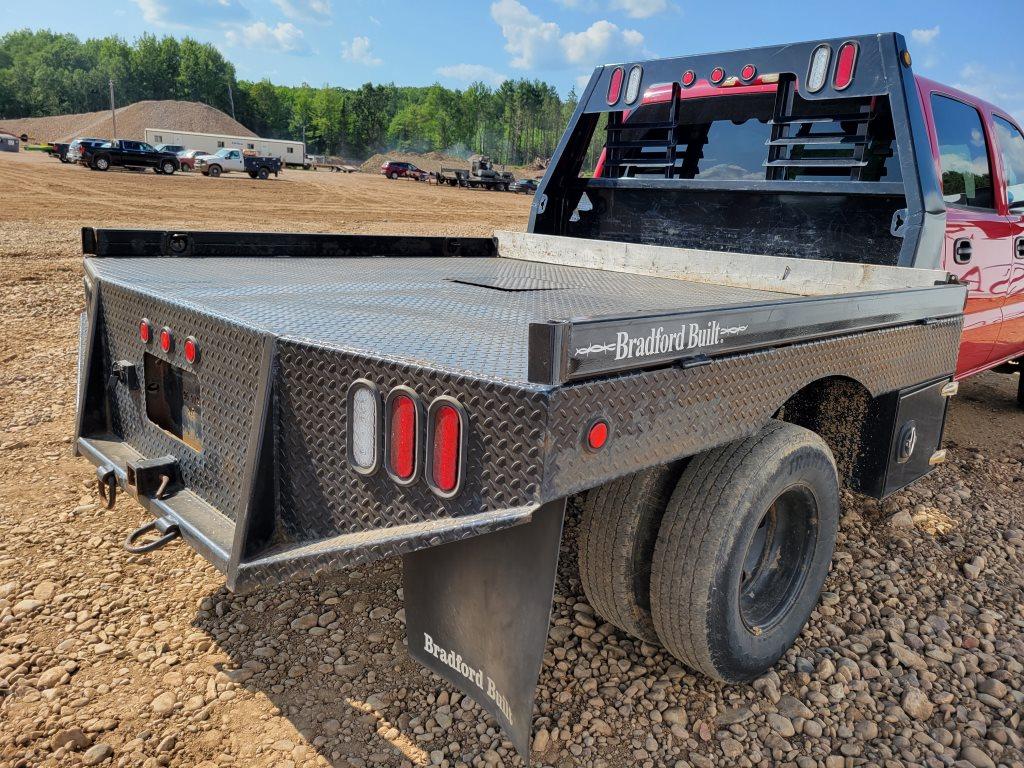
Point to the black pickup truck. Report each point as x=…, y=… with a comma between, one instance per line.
x=125, y=153
x=741, y=312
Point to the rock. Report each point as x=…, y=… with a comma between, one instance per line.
x=994, y=688
x=23, y=607
x=97, y=754
x=308, y=621
x=916, y=704
x=731, y=748
x=163, y=704
x=907, y=657
x=74, y=737
x=902, y=519
x=51, y=677
x=792, y=707
x=541, y=740
x=44, y=591
x=973, y=569
x=781, y=725
x=675, y=716
x=976, y=757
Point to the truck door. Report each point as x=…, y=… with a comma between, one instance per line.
x=976, y=233
x=1010, y=147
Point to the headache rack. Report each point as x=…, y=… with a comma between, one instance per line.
x=854, y=140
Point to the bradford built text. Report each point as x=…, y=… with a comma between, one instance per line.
x=658, y=342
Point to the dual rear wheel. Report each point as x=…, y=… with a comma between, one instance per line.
x=721, y=561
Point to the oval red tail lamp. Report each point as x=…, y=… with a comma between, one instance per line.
x=191, y=349
x=597, y=435
x=446, y=425
x=717, y=75
x=615, y=85
x=403, y=426
x=846, y=63
x=166, y=340
x=748, y=73
x=145, y=331
x=689, y=78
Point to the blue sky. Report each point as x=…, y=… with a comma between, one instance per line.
x=418, y=42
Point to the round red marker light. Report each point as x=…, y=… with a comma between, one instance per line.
x=166, y=340
x=598, y=435
x=191, y=349
x=689, y=77
x=717, y=75
x=145, y=331
x=748, y=72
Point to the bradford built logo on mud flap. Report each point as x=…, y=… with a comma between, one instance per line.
x=475, y=676
x=690, y=336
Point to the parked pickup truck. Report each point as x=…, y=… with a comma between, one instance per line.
x=765, y=293
x=227, y=160
x=125, y=153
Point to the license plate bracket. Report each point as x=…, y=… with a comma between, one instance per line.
x=173, y=400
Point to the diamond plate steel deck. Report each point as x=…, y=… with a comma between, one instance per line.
x=423, y=311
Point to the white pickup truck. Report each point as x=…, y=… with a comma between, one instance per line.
x=226, y=160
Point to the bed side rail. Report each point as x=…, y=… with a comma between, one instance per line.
x=155, y=243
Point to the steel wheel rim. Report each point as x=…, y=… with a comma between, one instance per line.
x=777, y=558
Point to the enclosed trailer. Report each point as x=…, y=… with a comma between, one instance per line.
x=290, y=152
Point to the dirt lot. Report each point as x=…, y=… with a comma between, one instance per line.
x=913, y=658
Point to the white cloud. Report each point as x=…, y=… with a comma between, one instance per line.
x=640, y=9
x=1005, y=90
x=308, y=10
x=359, y=52
x=925, y=36
x=375, y=21
x=534, y=42
x=471, y=73
x=192, y=13
x=285, y=37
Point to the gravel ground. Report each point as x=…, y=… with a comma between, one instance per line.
x=914, y=657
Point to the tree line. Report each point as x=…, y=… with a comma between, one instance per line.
x=45, y=73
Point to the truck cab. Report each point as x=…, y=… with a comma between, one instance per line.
x=978, y=150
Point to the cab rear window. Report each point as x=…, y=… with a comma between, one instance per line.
x=963, y=154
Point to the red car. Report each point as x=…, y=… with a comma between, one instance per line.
x=188, y=158
x=394, y=169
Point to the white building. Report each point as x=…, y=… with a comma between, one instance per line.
x=290, y=152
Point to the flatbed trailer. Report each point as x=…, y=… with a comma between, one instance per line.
x=710, y=374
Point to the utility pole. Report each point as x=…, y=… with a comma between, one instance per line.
x=231, y=98
x=113, y=112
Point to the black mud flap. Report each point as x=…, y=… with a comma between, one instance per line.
x=477, y=613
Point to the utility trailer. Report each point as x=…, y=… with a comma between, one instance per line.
x=480, y=175
x=708, y=359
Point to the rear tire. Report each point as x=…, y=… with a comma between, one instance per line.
x=167, y=168
x=263, y=174
x=392, y=175
x=101, y=164
x=744, y=548
x=617, y=535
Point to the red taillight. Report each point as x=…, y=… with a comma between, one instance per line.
x=846, y=62
x=615, y=85
x=597, y=435
x=402, y=420
x=145, y=331
x=446, y=449
x=166, y=340
x=689, y=77
x=717, y=75
x=748, y=72
x=191, y=349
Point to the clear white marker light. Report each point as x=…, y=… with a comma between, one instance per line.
x=364, y=428
x=633, y=84
x=818, y=72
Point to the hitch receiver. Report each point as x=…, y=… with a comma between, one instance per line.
x=152, y=477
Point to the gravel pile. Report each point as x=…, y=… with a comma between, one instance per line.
x=914, y=658
x=132, y=122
